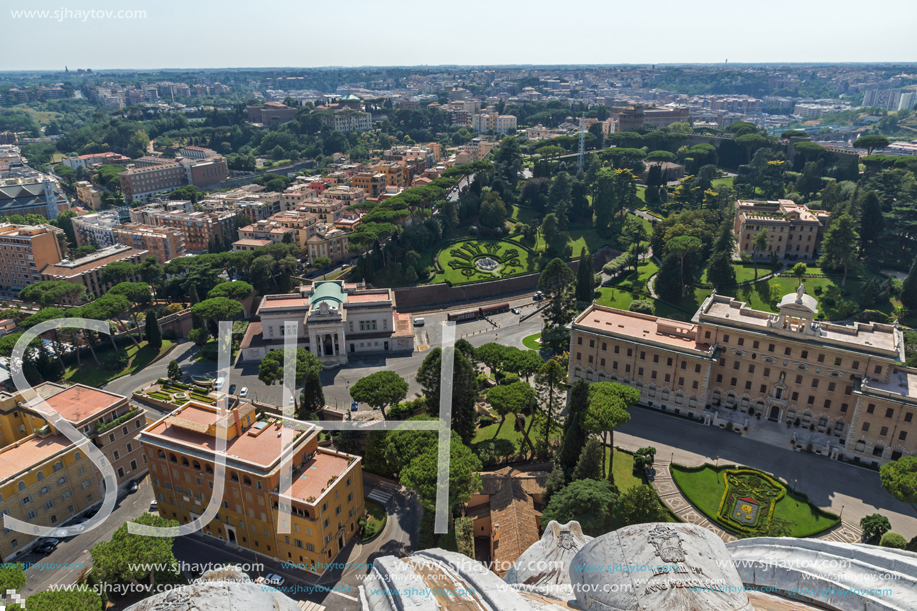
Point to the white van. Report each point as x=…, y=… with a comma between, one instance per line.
x=418, y=322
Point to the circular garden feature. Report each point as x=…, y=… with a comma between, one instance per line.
x=476, y=260
x=750, y=503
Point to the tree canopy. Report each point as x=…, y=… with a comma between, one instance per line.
x=381, y=389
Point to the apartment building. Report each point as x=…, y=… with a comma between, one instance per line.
x=267, y=230
x=143, y=182
x=88, y=270
x=348, y=121
x=25, y=250
x=45, y=479
x=148, y=215
x=301, y=221
x=164, y=243
x=373, y=183
x=497, y=123
x=328, y=241
x=345, y=193
x=326, y=493
x=199, y=228
x=88, y=195
x=96, y=229
x=793, y=231
x=785, y=367
x=295, y=195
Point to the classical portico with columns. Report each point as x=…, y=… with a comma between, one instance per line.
x=335, y=321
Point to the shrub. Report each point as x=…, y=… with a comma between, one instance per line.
x=643, y=306
x=464, y=536
x=893, y=540
x=729, y=426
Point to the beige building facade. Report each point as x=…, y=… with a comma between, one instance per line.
x=788, y=368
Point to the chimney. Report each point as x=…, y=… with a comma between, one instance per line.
x=238, y=421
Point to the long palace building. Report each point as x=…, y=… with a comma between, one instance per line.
x=848, y=382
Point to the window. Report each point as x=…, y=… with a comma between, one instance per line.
x=856, y=365
x=732, y=382
x=837, y=362
x=767, y=372
x=889, y=412
x=902, y=435
x=719, y=378
x=697, y=368
x=741, y=341
x=883, y=431
x=908, y=417
x=617, y=349
x=681, y=381
x=878, y=451
x=579, y=340
x=811, y=400
x=579, y=356
x=827, y=404
x=630, y=352
x=748, y=385
x=756, y=344
x=655, y=358
x=787, y=351
x=814, y=382
x=751, y=369
x=592, y=343
x=865, y=427
x=770, y=347
x=725, y=339
x=763, y=389
x=799, y=379
x=831, y=386
x=805, y=354
x=735, y=365
x=604, y=346
x=878, y=369
x=642, y=355
x=870, y=408
x=795, y=396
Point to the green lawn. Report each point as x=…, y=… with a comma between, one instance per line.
x=745, y=272
x=720, y=182
x=619, y=293
x=91, y=374
x=523, y=215
x=623, y=469
x=705, y=490
x=531, y=343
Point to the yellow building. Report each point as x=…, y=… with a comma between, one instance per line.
x=846, y=383
x=327, y=488
x=45, y=479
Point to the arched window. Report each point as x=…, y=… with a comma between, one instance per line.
x=197, y=465
x=162, y=455
x=184, y=462
x=41, y=476
x=234, y=477
x=77, y=456
x=172, y=458
x=208, y=469
x=22, y=485
x=246, y=480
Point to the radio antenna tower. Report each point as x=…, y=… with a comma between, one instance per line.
x=582, y=142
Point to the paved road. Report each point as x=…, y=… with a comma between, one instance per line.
x=828, y=483
x=74, y=551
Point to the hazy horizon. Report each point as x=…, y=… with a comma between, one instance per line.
x=282, y=34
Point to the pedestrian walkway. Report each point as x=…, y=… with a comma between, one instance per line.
x=673, y=498
x=305, y=605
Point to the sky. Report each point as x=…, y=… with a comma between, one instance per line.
x=308, y=33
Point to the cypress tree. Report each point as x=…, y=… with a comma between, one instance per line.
x=575, y=436
x=589, y=465
x=153, y=332
x=585, y=286
x=909, y=291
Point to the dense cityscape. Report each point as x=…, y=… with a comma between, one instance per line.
x=598, y=336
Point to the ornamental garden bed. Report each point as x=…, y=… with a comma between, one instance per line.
x=750, y=503
x=477, y=260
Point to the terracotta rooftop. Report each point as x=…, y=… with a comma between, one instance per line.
x=79, y=403
x=368, y=297
x=316, y=472
x=31, y=451
x=262, y=450
x=648, y=329
x=513, y=515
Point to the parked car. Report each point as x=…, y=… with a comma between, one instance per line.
x=274, y=579
x=418, y=322
x=232, y=388
x=354, y=406
x=45, y=548
x=154, y=506
x=538, y=296
x=50, y=540
x=244, y=392
x=219, y=383
x=133, y=487
x=515, y=310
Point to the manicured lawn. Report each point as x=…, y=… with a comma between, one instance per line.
x=720, y=182
x=531, y=342
x=523, y=215
x=460, y=269
x=585, y=236
x=618, y=293
x=745, y=272
x=705, y=490
x=623, y=469
x=91, y=374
